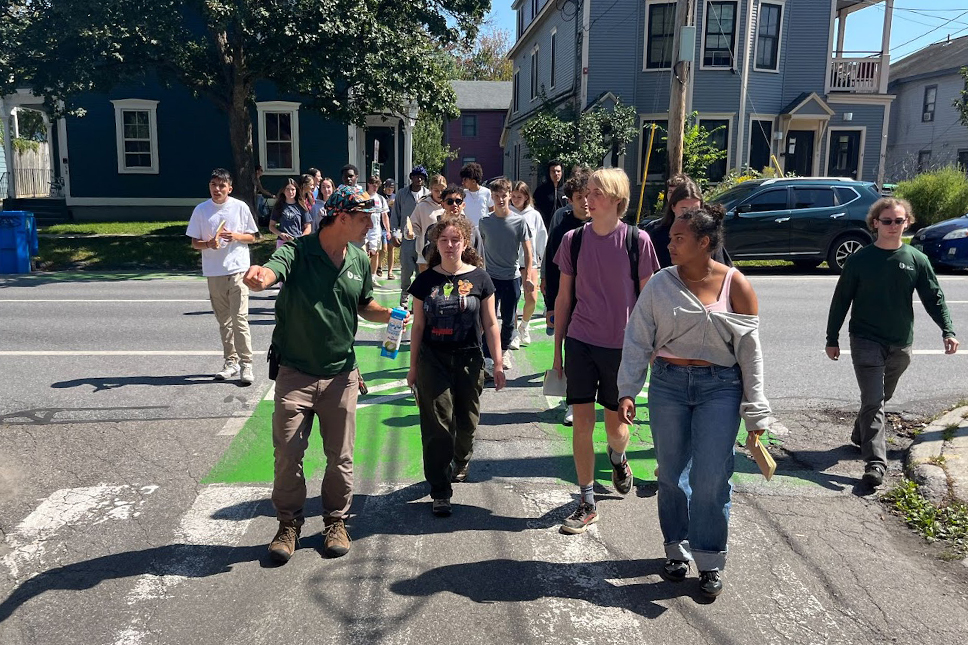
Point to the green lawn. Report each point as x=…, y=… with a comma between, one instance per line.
x=117, y=228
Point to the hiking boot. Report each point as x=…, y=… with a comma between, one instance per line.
x=621, y=474
x=710, y=583
x=674, y=570
x=245, y=374
x=524, y=333
x=442, y=507
x=285, y=543
x=873, y=475
x=515, y=340
x=579, y=521
x=569, y=417
x=336, y=541
x=230, y=369
x=460, y=472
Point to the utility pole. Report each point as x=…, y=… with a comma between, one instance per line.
x=680, y=83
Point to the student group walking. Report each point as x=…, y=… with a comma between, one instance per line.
x=623, y=305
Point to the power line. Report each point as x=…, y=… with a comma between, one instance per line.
x=947, y=22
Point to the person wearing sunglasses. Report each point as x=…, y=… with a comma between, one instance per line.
x=425, y=215
x=877, y=285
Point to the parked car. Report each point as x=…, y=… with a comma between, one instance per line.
x=945, y=243
x=806, y=220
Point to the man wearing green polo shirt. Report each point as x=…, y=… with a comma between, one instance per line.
x=327, y=284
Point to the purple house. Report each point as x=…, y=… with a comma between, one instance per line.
x=476, y=133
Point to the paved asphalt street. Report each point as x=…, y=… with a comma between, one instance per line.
x=134, y=497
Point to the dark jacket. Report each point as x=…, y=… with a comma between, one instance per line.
x=563, y=221
x=548, y=199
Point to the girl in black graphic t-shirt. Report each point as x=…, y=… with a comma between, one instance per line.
x=453, y=305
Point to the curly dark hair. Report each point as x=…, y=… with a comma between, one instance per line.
x=462, y=224
x=707, y=221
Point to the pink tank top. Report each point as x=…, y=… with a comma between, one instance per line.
x=722, y=305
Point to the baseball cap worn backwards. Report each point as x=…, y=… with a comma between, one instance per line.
x=351, y=198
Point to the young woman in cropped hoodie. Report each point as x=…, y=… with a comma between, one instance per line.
x=696, y=322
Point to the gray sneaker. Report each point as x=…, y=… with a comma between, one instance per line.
x=246, y=375
x=230, y=369
x=580, y=520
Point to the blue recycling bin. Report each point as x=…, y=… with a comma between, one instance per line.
x=18, y=241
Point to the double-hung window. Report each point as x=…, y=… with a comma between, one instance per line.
x=660, y=31
x=136, y=129
x=719, y=35
x=769, y=24
x=279, y=137
x=930, y=100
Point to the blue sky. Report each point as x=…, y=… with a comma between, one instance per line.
x=914, y=26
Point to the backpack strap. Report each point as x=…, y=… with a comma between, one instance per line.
x=632, y=247
x=575, y=250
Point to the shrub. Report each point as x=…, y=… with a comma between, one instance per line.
x=935, y=196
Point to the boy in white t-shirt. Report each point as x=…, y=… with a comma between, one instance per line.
x=222, y=228
x=477, y=199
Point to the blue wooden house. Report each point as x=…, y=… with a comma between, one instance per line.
x=771, y=77
x=146, y=151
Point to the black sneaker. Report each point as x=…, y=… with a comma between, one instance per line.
x=460, y=472
x=621, y=474
x=710, y=584
x=874, y=475
x=580, y=520
x=442, y=507
x=674, y=570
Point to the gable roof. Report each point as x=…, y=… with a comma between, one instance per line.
x=808, y=104
x=483, y=95
x=947, y=55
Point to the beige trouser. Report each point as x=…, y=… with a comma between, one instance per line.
x=230, y=301
x=300, y=397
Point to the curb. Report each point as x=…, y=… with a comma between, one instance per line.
x=938, y=458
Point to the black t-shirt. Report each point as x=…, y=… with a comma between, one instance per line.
x=452, y=307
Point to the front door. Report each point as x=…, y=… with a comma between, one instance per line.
x=799, y=152
x=844, y=153
x=386, y=139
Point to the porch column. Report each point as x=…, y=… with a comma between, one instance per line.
x=841, y=28
x=408, y=122
x=886, y=46
x=7, y=144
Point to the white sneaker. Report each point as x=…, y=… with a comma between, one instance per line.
x=246, y=375
x=489, y=368
x=515, y=340
x=230, y=369
x=507, y=360
x=373, y=279
x=524, y=333
x=569, y=416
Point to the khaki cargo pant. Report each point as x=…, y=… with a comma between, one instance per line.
x=230, y=302
x=299, y=398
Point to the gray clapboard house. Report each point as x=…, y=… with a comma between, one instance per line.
x=771, y=75
x=925, y=131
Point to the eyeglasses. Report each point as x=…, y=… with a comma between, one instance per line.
x=452, y=201
x=897, y=221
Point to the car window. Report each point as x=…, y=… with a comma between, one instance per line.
x=734, y=195
x=845, y=195
x=770, y=200
x=813, y=197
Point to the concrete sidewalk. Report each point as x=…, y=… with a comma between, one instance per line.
x=938, y=458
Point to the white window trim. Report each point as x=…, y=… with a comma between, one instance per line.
x=860, y=154
x=730, y=131
x=643, y=119
x=645, y=40
x=143, y=105
x=292, y=108
x=749, y=139
x=534, y=74
x=732, y=47
x=779, y=40
x=553, y=49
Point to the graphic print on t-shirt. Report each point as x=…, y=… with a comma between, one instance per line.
x=452, y=317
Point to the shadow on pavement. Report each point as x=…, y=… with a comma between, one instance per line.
x=114, y=382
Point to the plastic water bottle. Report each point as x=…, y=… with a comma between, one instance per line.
x=391, y=342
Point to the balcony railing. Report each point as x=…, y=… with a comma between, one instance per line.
x=857, y=73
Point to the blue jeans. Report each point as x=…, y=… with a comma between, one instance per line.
x=694, y=414
x=506, y=296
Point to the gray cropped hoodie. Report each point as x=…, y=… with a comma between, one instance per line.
x=668, y=315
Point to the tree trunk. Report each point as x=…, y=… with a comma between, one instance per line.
x=240, y=134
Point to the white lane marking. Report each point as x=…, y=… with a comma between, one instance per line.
x=236, y=422
x=383, y=399
x=392, y=385
x=828, y=278
x=113, y=352
x=921, y=352
x=220, y=516
x=94, y=300
x=88, y=505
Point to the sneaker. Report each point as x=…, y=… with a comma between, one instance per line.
x=621, y=474
x=710, y=583
x=507, y=360
x=674, y=570
x=442, y=507
x=569, y=416
x=246, y=375
x=460, y=472
x=580, y=520
x=285, y=543
x=874, y=475
x=230, y=369
x=489, y=369
x=524, y=333
x=515, y=340
x=373, y=278
x=336, y=541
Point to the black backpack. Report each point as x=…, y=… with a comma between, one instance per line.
x=631, y=247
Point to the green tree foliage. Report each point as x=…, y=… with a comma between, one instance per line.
x=579, y=140
x=961, y=103
x=486, y=59
x=935, y=196
x=429, y=150
x=344, y=58
x=698, y=151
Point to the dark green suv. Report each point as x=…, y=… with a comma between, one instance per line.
x=806, y=220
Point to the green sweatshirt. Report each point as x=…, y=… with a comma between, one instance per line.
x=880, y=283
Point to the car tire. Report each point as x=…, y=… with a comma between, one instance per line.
x=806, y=265
x=842, y=248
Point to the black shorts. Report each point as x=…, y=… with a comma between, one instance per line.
x=592, y=374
